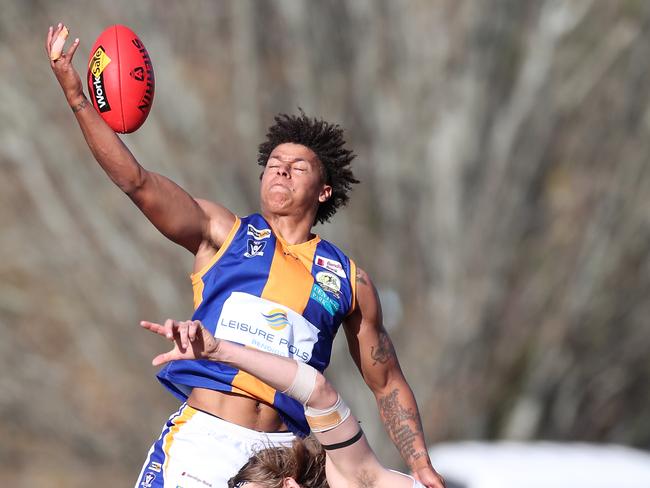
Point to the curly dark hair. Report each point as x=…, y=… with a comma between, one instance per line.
x=304, y=461
x=326, y=141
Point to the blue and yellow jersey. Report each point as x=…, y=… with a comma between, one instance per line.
x=262, y=292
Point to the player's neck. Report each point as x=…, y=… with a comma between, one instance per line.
x=292, y=229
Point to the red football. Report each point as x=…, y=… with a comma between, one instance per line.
x=120, y=78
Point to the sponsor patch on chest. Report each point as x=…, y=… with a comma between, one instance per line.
x=266, y=325
x=327, y=302
x=330, y=265
x=329, y=282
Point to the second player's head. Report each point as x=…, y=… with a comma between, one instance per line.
x=300, y=466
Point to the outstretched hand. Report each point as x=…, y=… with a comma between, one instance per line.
x=191, y=340
x=61, y=62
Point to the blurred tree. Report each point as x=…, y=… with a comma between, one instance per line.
x=503, y=212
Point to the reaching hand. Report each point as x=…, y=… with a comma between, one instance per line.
x=61, y=65
x=191, y=340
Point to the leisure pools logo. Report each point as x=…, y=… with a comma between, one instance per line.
x=276, y=319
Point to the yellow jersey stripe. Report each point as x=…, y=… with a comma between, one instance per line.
x=197, y=281
x=250, y=385
x=289, y=283
x=353, y=282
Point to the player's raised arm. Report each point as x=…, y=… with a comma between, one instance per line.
x=373, y=352
x=170, y=208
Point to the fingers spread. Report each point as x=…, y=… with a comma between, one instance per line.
x=169, y=329
x=153, y=327
x=72, y=50
x=195, y=327
x=190, y=339
x=183, y=330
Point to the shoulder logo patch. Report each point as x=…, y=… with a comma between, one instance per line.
x=258, y=233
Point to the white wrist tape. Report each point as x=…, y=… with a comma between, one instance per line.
x=324, y=420
x=303, y=383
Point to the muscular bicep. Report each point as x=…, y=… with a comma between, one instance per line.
x=178, y=216
x=351, y=458
x=368, y=342
x=220, y=221
x=357, y=464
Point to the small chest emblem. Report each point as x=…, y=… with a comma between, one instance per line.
x=254, y=248
x=149, y=477
x=329, y=282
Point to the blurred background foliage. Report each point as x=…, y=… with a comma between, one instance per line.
x=504, y=212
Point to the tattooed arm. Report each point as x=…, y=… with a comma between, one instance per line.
x=374, y=355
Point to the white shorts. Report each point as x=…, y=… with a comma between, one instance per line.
x=196, y=449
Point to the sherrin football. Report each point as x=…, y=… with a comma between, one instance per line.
x=120, y=79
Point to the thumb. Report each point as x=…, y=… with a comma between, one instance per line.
x=164, y=358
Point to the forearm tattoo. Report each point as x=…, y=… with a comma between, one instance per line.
x=383, y=351
x=403, y=425
x=80, y=106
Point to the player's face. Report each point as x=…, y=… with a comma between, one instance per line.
x=293, y=181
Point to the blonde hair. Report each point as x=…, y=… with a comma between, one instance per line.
x=304, y=461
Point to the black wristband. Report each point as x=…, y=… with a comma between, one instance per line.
x=340, y=445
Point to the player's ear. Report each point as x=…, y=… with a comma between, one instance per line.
x=325, y=193
x=289, y=483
